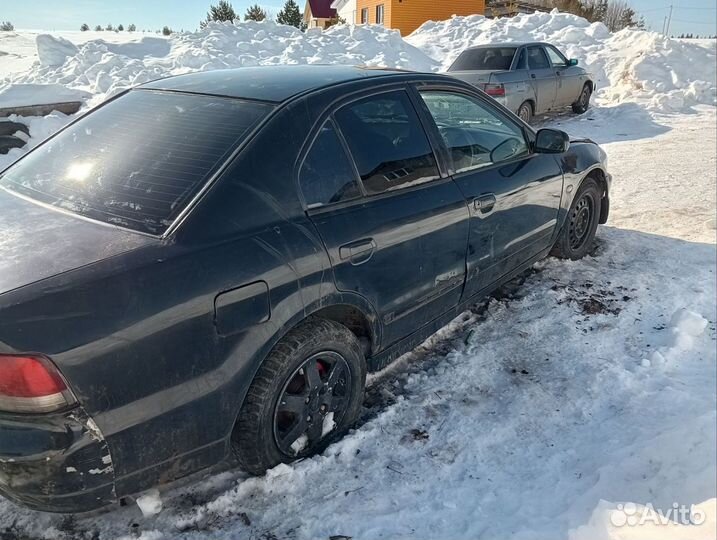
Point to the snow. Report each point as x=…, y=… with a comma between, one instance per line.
x=580, y=397
x=150, y=503
x=18, y=95
x=53, y=51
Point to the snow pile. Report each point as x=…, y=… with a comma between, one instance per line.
x=150, y=503
x=53, y=51
x=105, y=68
x=686, y=326
x=630, y=65
x=663, y=74
x=18, y=95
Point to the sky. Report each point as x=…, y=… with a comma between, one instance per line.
x=688, y=16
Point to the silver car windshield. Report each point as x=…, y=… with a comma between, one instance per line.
x=484, y=59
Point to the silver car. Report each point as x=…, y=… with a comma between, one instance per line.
x=527, y=78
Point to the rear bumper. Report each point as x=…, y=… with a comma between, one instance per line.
x=55, y=463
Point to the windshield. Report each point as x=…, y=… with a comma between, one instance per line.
x=137, y=161
x=494, y=58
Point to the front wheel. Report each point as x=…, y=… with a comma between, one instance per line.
x=578, y=232
x=306, y=393
x=583, y=102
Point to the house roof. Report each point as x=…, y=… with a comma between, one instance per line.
x=321, y=9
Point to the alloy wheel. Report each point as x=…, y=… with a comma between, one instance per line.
x=313, y=401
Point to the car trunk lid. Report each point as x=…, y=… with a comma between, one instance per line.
x=478, y=78
x=37, y=242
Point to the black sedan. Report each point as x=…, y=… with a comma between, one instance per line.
x=210, y=263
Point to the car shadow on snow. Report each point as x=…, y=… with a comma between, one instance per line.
x=621, y=123
x=597, y=289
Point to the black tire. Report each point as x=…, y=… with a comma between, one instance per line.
x=258, y=439
x=525, y=112
x=583, y=103
x=578, y=232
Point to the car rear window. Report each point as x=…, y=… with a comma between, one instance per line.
x=137, y=161
x=492, y=58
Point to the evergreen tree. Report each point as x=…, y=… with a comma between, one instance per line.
x=291, y=15
x=120, y=28
x=628, y=19
x=131, y=28
x=6, y=26
x=166, y=30
x=84, y=27
x=109, y=28
x=223, y=11
x=255, y=13
x=98, y=28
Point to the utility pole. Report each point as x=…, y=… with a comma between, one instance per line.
x=669, y=20
x=664, y=24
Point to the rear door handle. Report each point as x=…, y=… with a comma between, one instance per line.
x=358, y=252
x=532, y=75
x=484, y=203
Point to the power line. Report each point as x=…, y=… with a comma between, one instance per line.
x=692, y=22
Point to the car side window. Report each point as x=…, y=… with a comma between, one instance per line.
x=327, y=175
x=556, y=58
x=474, y=135
x=387, y=141
x=537, y=58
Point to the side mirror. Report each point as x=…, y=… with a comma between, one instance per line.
x=573, y=62
x=551, y=141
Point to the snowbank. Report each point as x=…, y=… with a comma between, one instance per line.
x=661, y=74
x=631, y=65
x=19, y=95
x=106, y=68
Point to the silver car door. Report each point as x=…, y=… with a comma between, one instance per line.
x=567, y=78
x=542, y=76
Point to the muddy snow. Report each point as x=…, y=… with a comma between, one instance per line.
x=576, y=403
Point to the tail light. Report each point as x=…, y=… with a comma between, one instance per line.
x=32, y=384
x=495, y=90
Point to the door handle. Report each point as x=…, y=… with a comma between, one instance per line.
x=358, y=252
x=484, y=203
x=532, y=75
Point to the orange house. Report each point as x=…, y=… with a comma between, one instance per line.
x=407, y=15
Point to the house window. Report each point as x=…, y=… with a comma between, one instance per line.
x=364, y=16
x=379, y=14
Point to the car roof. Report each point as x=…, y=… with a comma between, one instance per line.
x=515, y=44
x=268, y=83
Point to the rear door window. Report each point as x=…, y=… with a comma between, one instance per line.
x=387, y=142
x=537, y=58
x=137, y=161
x=327, y=175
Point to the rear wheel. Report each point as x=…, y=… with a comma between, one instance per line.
x=578, y=232
x=583, y=102
x=525, y=112
x=306, y=394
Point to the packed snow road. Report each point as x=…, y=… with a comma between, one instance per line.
x=579, y=388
